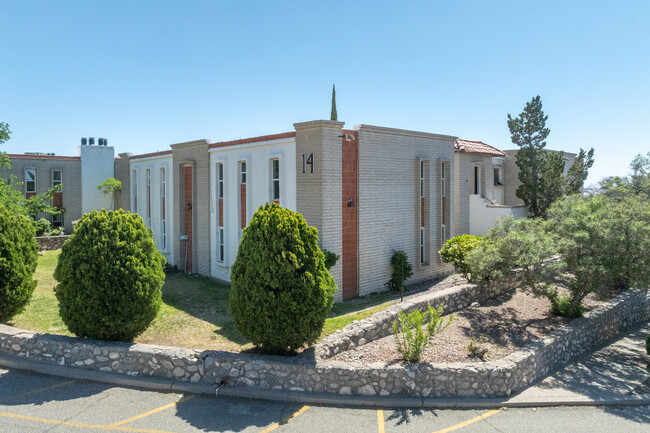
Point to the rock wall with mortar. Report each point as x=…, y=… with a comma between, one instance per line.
x=307, y=373
x=47, y=243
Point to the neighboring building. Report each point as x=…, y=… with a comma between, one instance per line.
x=368, y=190
x=78, y=175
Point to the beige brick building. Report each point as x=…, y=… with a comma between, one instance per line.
x=368, y=190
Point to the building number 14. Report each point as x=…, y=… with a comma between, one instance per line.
x=308, y=161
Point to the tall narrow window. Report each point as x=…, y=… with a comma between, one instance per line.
x=148, y=196
x=242, y=194
x=220, y=222
x=422, y=178
x=134, y=186
x=163, y=210
x=422, y=218
x=443, y=193
x=497, y=177
x=57, y=178
x=30, y=180
x=57, y=219
x=477, y=180
x=275, y=181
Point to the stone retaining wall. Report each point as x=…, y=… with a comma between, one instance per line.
x=47, y=243
x=308, y=373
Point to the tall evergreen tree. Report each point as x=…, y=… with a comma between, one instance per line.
x=538, y=169
x=334, y=115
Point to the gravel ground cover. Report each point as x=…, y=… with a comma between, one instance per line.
x=506, y=324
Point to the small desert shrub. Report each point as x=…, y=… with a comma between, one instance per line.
x=110, y=276
x=412, y=336
x=561, y=306
x=330, y=258
x=455, y=251
x=42, y=226
x=475, y=348
x=402, y=270
x=18, y=258
x=281, y=291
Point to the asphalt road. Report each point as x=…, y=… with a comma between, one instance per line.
x=37, y=403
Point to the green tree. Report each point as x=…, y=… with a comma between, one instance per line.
x=529, y=132
x=636, y=183
x=18, y=258
x=334, y=115
x=281, y=291
x=579, y=171
x=456, y=250
x=110, y=276
x=113, y=187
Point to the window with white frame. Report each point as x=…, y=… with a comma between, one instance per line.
x=497, y=177
x=222, y=252
x=57, y=179
x=57, y=219
x=442, y=202
x=421, y=245
x=134, y=188
x=30, y=180
x=421, y=178
x=163, y=209
x=220, y=214
x=275, y=180
x=147, y=175
x=220, y=181
x=242, y=172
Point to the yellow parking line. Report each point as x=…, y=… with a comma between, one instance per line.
x=284, y=421
x=151, y=412
x=468, y=422
x=78, y=424
x=36, y=391
x=380, y=422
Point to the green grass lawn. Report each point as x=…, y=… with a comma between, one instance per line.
x=194, y=314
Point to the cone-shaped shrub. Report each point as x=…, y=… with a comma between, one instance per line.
x=110, y=275
x=18, y=258
x=281, y=291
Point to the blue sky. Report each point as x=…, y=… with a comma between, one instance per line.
x=146, y=74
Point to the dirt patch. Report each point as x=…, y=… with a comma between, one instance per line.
x=506, y=323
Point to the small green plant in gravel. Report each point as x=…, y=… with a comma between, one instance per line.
x=475, y=348
x=413, y=336
x=647, y=344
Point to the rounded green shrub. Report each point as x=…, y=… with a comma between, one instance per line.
x=455, y=251
x=281, y=291
x=18, y=259
x=110, y=276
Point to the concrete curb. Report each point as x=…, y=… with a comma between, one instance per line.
x=171, y=385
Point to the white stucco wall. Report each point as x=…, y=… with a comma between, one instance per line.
x=97, y=165
x=482, y=215
x=258, y=191
x=154, y=164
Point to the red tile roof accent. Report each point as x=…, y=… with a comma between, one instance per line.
x=146, y=155
x=254, y=139
x=471, y=146
x=23, y=156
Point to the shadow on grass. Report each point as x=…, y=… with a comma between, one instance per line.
x=204, y=299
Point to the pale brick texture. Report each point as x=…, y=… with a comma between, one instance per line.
x=71, y=172
x=388, y=197
x=196, y=154
x=318, y=194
